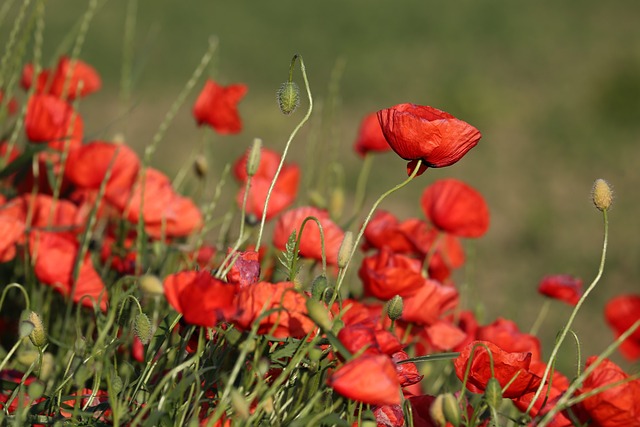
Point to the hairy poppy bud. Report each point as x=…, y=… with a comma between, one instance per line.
x=254, y=157
x=346, y=247
x=38, y=336
x=451, y=409
x=493, y=393
x=142, y=328
x=151, y=285
x=395, y=307
x=318, y=287
x=239, y=404
x=201, y=166
x=319, y=314
x=437, y=411
x=288, y=97
x=601, y=194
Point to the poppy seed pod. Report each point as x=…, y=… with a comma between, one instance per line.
x=253, y=161
x=601, y=194
x=288, y=97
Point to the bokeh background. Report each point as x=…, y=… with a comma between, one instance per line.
x=553, y=86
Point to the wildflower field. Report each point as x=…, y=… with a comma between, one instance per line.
x=230, y=215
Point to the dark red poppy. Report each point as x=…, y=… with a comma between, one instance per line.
x=310, y=243
x=430, y=302
x=284, y=192
x=370, y=137
x=506, y=365
x=119, y=255
x=245, y=270
x=54, y=256
x=408, y=373
x=53, y=121
x=621, y=313
x=69, y=74
x=455, y=208
x=88, y=164
x=506, y=334
x=202, y=299
x=388, y=416
x=216, y=106
x=563, y=287
x=370, y=378
x=417, y=132
x=289, y=319
x=616, y=406
x=385, y=275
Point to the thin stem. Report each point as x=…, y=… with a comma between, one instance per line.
x=361, y=185
x=567, y=327
x=541, y=316
x=286, y=147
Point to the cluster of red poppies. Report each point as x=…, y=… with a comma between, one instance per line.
x=410, y=304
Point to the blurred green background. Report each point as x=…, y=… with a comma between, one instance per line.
x=553, y=86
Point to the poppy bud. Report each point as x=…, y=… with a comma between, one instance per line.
x=318, y=287
x=35, y=390
x=318, y=313
x=437, y=411
x=254, y=157
x=601, y=194
x=47, y=366
x=395, y=307
x=336, y=203
x=116, y=383
x=38, y=336
x=142, y=328
x=25, y=328
x=239, y=404
x=493, y=393
x=201, y=166
x=288, y=97
x=151, y=285
x=451, y=409
x=344, y=253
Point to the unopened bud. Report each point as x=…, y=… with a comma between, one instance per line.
x=142, y=328
x=25, y=328
x=437, y=411
x=344, y=253
x=318, y=287
x=319, y=314
x=35, y=389
x=451, y=409
x=116, y=383
x=493, y=393
x=395, y=307
x=316, y=199
x=38, y=336
x=47, y=366
x=336, y=203
x=239, y=404
x=601, y=194
x=288, y=97
x=253, y=161
x=201, y=166
x=151, y=285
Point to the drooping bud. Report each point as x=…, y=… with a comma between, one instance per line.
x=451, y=409
x=142, y=328
x=38, y=335
x=288, y=97
x=25, y=328
x=395, y=307
x=344, y=253
x=151, y=285
x=601, y=194
x=493, y=393
x=319, y=314
x=253, y=161
x=201, y=166
x=318, y=287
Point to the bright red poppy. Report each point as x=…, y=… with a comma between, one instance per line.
x=429, y=303
x=563, y=287
x=217, y=107
x=202, y=299
x=284, y=192
x=310, y=242
x=370, y=378
x=506, y=365
x=385, y=275
x=11, y=232
x=506, y=334
x=417, y=132
x=68, y=76
x=43, y=211
x=455, y=208
x=621, y=313
x=370, y=137
x=53, y=121
x=289, y=319
x=616, y=406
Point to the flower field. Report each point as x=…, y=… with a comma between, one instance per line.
x=277, y=278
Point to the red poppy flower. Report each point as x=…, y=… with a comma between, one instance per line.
x=55, y=255
x=217, y=107
x=202, y=299
x=370, y=136
x=616, y=406
x=68, y=73
x=621, y=313
x=11, y=232
x=290, y=318
x=505, y=334
x=408, y=373
x=455, y=208
x=506, y=366
x=385, y=275
x=429, y=303
x=310, y=243
x=11, y=105
x=284, y=192
x=444, y=336
x=53, y=121
x=245, y=270
x=563, y=287
x=121, y=257
x=87, y=167
x=44, y=211
x=370, y=378
x=425, y=133
x=387, y=416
